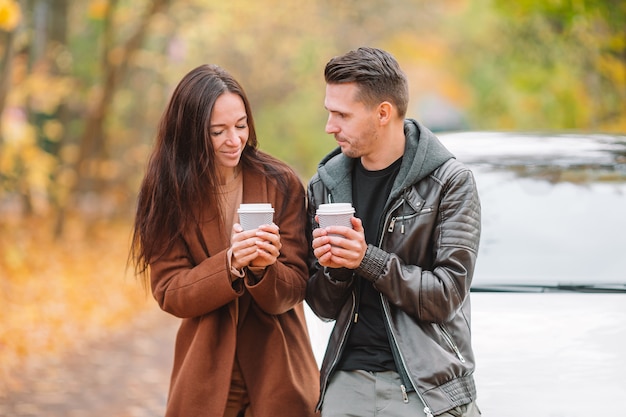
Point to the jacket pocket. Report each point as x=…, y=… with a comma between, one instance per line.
x=405, y=218
x=449, y=341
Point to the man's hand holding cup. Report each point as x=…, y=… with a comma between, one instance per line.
x=339, y=242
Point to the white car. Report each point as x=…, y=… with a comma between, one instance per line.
x=549, y=290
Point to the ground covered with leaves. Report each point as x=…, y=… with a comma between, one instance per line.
x=59, y=294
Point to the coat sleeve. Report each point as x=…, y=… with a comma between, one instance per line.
x=182, y=288
x=435, y=292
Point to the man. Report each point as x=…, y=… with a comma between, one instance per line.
x=397, y=283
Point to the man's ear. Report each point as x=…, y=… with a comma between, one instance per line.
x=385, y=111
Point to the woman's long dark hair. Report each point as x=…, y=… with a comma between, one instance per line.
x=181, y=177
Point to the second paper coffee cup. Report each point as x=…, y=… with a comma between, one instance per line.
x=335, y=214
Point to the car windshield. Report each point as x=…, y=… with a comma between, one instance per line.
x=553, y=210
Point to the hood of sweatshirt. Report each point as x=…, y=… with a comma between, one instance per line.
x=423, y=154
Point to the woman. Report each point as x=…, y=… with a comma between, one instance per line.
x=242, y=348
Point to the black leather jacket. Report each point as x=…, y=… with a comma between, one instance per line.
x=422, y=267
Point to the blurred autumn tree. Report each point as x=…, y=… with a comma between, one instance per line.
x=56, y=146
x=537, y=65
x=83, y=84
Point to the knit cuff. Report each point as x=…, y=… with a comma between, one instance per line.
x=373, y=263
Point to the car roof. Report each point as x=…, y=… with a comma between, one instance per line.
x=508, y=149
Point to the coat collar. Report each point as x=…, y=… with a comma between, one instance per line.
x=254, y=191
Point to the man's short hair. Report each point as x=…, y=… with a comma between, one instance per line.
x=376, y=73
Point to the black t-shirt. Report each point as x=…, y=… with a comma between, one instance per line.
x=367, y=346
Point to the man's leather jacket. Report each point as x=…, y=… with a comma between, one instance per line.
x=422, y=267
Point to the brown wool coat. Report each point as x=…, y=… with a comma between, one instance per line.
x=271, y=341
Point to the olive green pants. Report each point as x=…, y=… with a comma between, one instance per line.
x=378, y=394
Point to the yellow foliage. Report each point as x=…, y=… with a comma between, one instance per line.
x=98, y=8
x=613, y=69
x=428, y=71
x=15, y=128
x=39, y=166
x=20, y=157
x=53, y=129
x=10, y=15
x=46, y=91
x=19, y=136
x=70, y=153
x=56, y=295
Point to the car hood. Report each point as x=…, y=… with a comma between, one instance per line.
x=541, y=355
x=556, y=354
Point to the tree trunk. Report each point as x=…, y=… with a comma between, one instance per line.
x=92, y=143
x=5, y=72
x=93, y=140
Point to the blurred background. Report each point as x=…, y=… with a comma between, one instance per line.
x=83, y=84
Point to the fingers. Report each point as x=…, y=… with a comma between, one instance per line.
x=257, y=247
x=357, y=224
x=267, y=251
x=269, y=233
x=243, y=254
x=340, y=246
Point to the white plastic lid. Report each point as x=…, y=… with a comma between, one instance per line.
x=335, y=208
x=255, y=208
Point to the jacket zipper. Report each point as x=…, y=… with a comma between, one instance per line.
x=403, y=362
x=405, y=396
x=357, y=300
x=342, y=342
x=385, y=305
x=392, y=223
x=391, y=220
x=451, y=343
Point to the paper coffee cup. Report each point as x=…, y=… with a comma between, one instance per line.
x=251, y=216
x=335, y=214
